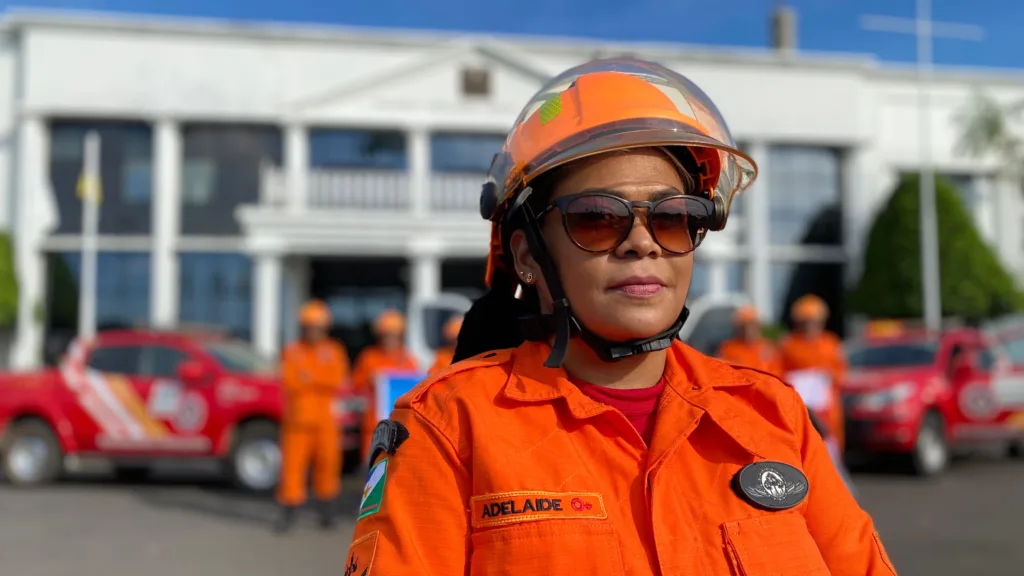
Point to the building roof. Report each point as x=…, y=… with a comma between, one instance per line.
x=15, y=19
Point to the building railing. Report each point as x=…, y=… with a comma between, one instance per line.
x=456, y=192
x=370, y=189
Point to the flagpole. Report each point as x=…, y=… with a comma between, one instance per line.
x=89, y=191
x=925, y=30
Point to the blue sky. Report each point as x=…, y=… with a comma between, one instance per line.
x=825, y=25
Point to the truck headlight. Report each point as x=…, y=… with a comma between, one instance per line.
x=882, y=399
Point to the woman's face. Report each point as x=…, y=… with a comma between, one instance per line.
x=638, y=289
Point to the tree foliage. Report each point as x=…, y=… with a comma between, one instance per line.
x=8, y=284
x=973, y=284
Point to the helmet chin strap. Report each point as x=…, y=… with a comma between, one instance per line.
x=561, y=322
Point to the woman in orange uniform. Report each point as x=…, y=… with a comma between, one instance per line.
x=575, y=434
x=388, y=354
x=749, y=348
x=313, y=370
x=447, y=352
x=813, y=362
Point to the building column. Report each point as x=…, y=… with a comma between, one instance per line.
x=418, y=153
x=759, y=235
x=165, y=285
x=266, y=301
x=854, y=202
x=718, y=277
x=296, y=287
x=426, y=276
x=296, y=160
x=35, y=214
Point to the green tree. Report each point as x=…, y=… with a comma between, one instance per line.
x=8, y=284
x=974, y=283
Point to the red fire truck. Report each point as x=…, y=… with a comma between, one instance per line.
x=134, y=397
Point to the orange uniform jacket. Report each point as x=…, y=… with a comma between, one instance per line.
x=761, y=355
x=312, y=376
x=370, y=363
x=442, y=360
x=500, y=430
x=823, y=353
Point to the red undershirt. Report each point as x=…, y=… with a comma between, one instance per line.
x=639, y=406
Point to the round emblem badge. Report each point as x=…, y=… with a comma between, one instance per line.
x=191, y=416
x=772, y=485
x=977, y=401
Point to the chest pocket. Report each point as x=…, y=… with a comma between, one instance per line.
x=773, y=545
x=548, y=547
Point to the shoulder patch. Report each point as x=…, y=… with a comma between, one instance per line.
x=387, y=437
x=373, y=491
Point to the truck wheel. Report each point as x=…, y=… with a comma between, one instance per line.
x=131, y=473
x=1015, y=449
x=931, y=451
x=32, y=456
x=254, y=463
x=351, y=460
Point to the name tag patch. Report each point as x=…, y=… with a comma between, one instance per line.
x=525, y=506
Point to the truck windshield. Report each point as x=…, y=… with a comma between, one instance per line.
x=902, y=355
x=1015, y=349
x=237, y=357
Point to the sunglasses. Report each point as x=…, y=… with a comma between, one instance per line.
x=600, y=222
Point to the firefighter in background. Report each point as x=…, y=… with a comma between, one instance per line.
x=446, y=352
x=748, y=347
x=313, y=370
x=813, y=362
x=387, y=354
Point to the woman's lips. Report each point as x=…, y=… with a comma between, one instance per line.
x=639, y=286
x=639, y=290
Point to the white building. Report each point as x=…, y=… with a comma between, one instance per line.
x=248, y=166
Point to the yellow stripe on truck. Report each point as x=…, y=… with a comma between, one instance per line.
x=133, y=404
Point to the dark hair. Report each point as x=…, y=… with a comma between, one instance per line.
x=492, y=323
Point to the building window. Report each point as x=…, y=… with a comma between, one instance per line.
x=125, y=172
x=736, y=277
x=804, y=183
x=138, y=181
x=330, y=148
x=216, y=290
x=221, y=171
x=699, y=281
x=470, y=153
x=198, y=181
x=782, y=274
x=122, y=290
x=476, y=82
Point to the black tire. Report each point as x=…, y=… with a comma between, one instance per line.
x=1015, y=449
x=258, y=435
x=131, y=473
x=351, y=461
x=931, y=450
x=32, y=435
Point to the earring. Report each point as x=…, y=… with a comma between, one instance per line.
x=527, y=276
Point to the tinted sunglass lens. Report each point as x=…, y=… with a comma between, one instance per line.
x=597, y=223
x=675, y=222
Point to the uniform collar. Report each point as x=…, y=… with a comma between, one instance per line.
x=695, y=385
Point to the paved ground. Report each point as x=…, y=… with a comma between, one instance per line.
x=966, y=523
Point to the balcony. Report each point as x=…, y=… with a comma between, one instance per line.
x=374, y=190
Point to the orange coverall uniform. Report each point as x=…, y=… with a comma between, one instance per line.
x=760, y=354
x=442, y=360
x=822, y=353
x=501, y=429
x=369, y=364
x=312, y=376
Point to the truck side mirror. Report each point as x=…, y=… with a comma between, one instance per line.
x=192, y=372
x=963, y=366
